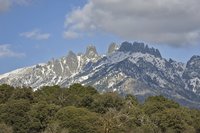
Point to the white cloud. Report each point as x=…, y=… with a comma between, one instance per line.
x=5, y=51
x=70, y=35
x=7, y=4
x=175, y=22
x=36, y=35
x=4, y=5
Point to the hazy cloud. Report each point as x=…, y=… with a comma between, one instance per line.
x=175, y=22
x=7, y=4
x=4, y=5
x=36, y=35
x=71, y=35
x=5, y=51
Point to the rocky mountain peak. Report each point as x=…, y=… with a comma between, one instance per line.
x=91, y=52
x=139, y=47
x=112, y=48
x=71, y=54
x=171, y=60
x=194, y=62
x=191, y=74
x=192, y=68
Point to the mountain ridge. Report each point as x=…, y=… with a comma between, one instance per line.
x=127, y=68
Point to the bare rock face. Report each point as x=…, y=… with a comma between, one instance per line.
x=192, y=74
x=139, y=47
x=91, y=52
x=129, y=68
x=112, y=48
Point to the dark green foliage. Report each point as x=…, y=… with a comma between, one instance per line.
x=78, y=95
x=22, y=93
x=195, y=114
x=50, y=94
x=77, y=120
x=172, y=119
x=78, y=89
x=102, y=103
x=14, y=113
x=5, y=93
x=81, y=109
x=157, y=104
x=86, y=101
x=40, y=115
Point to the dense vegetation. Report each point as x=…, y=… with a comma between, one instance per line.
x=80, y=109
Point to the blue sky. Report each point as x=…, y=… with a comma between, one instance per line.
x=35, y=31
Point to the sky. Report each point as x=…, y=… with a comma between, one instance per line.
x=35, y=31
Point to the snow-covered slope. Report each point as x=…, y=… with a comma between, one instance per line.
x=192, y=74
x=51, y=73
x=128, y=68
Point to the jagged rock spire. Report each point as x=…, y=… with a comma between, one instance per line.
x=91, y=51
x=112, y=48
x=139, y=47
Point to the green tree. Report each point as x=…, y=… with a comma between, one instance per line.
x=14, y=113
x=40, y=115
x=77, y=120
x=195, y=114
x=81, y=91
x=156, y=104
x=102, y=103
x=80, y=96
x=131, y=100
x=86, y=101
x=50, y=94
x=22, y=93
x=176, y=120
x=76, y=95
x=5, y=92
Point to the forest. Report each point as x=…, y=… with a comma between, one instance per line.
x=81, y=109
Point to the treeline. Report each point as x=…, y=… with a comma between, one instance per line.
x=80, y=109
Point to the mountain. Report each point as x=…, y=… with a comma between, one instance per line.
x=131, y=68
x=112, y=48
x=192, y=74
x=51, y=73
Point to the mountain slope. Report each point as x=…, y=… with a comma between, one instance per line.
x=51, y=73
x=128, y=68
